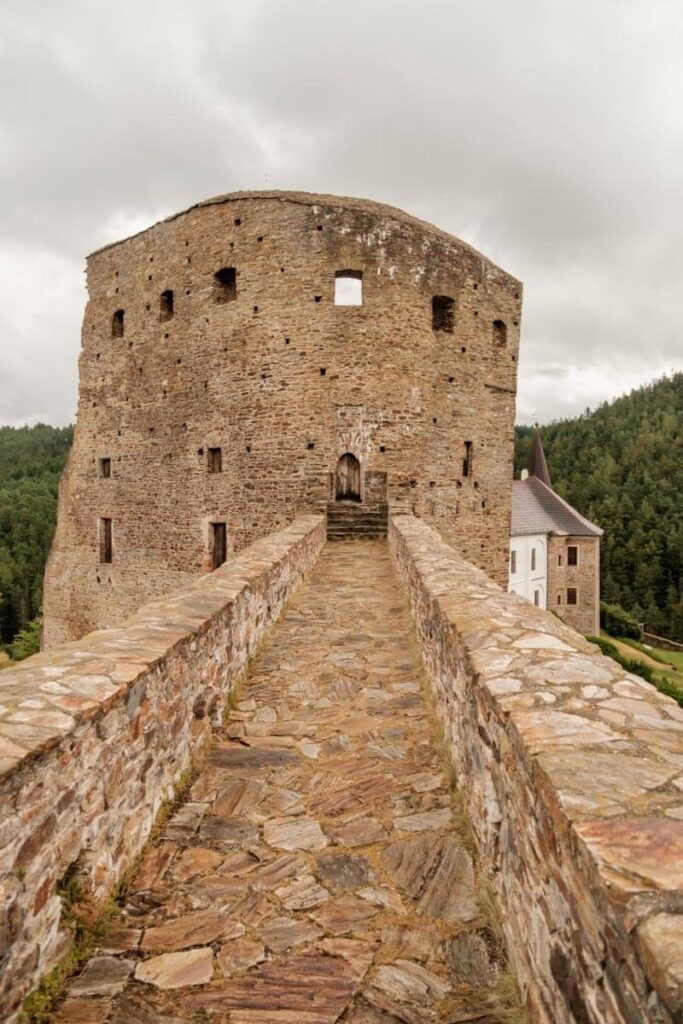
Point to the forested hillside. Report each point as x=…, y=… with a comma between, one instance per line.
x=31, y=461
x=622, y=466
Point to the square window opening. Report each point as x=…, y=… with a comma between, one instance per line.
x=166, y=305
x=348, y=288
x=500, y=333
x=215, y=460
x=443, y=313
x=225, y=285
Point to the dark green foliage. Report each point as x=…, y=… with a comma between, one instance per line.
x=622, y=467
x=614, y=620
x=26, y=642
x=638, y=668
x=31, y=461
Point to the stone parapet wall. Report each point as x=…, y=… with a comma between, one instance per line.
x=572, y=771
x=95, y=735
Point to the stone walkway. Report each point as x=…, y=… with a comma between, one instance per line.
x=316, y=872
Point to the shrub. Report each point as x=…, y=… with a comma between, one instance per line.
x=638, y=668
x=26, y=642
x=618, y=622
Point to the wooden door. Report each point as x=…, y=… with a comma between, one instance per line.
x=348, y=478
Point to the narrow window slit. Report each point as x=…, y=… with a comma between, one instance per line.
x=117, y=324
x=106, y=549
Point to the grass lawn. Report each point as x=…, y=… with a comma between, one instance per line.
x=670, y=674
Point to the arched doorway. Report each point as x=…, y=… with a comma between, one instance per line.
x=347, y=478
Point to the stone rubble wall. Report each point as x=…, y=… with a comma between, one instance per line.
x=284, y=381
x=95, y=735
x=572, y=771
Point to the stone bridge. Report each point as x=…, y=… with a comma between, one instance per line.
x=351, y=781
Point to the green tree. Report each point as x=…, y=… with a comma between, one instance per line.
x=622, y=466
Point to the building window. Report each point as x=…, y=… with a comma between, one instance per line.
x=215, y=460
x=117, y=324
x=513, y=562
x=105, y=540
x=105, y=468
x=559, y=559
x=467, y=460
x=559, y=598
x=166, y=305
x=572, y=555
x=537, y=597
x=348, y=288
x=443, y=309
x=218, y=544
x=500, y=333
x=572, y=595
x=225, y=284
x=533, y=559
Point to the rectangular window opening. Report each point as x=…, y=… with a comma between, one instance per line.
x=105, y=468
x=443, y=313
x=117, y=324
x=166, y=305
x=348, y=288
x=467, y=460
x=537, y=597
x=215, y=460
x=105, y=541
x=559, y=598
x=513, y=561
x=533, y=559
x=572, y=595
x=218, y=544
x=572, y=555
x=225, y=284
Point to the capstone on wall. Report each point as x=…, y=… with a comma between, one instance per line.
x=95, y=735
x=283, y=381
x=570, y=770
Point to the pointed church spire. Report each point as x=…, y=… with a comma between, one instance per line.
x=536, y=464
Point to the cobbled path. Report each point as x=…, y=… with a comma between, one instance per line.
x=317, y=872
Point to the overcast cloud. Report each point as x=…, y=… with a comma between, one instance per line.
x=547, y=133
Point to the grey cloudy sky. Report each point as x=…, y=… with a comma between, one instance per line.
x=547, y=133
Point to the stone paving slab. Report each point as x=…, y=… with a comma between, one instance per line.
x=316, y=872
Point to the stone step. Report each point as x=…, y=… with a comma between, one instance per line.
x=351, y=519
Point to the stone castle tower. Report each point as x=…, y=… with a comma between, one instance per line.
x=260, y=354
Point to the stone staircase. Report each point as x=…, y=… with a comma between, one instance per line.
x=347, y=519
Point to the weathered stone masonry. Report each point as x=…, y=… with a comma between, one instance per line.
x=571, y=769
x=263, y=365
x=573, y=777
x=94, y=736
